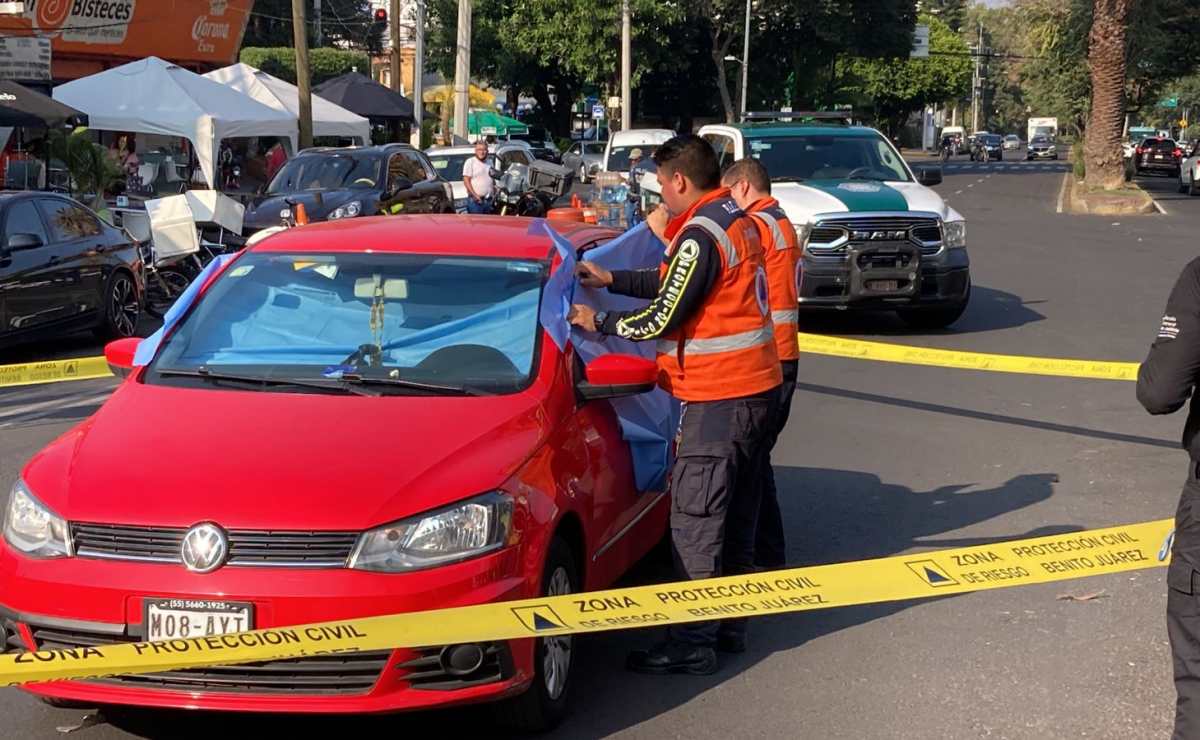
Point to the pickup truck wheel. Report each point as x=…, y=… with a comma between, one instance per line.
x=544, y=704
x=934, y=318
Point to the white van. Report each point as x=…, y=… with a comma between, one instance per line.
x=621, y=143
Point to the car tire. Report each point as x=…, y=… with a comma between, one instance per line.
x=1192, y=188
x=161, y=296
x=934, y=318
x=121, y=308
x=544, y=705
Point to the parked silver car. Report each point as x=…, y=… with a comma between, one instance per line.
x=584, y=159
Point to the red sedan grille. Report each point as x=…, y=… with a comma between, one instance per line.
x=246, y=546
x=346, y=673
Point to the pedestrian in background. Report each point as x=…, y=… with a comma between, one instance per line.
x=1166, y=380
x=477, y=176
x=633, y=201
x=709, y=317
x=750, y=186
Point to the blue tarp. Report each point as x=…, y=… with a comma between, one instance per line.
x=647, y=419
x=149, y=346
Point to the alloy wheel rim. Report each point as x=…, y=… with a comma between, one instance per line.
x=124, y=307
x=556, y=653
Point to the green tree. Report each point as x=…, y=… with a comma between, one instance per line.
x=323, y=63
x=896, y=88
x=951, y=12
x=344, y=24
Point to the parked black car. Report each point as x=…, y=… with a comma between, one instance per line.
x=63, y=269
x=335, y=183
x=1158, y=156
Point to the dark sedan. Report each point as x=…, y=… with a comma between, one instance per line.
x=63, y=270
x=988, y=147
x=345, y=183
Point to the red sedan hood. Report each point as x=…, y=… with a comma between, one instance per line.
x=169, y=456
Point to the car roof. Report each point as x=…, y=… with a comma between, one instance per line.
x=503, y=237
x=377, y=150
x=779, y=128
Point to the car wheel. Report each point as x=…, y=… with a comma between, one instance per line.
x=934, y=318
x=544, y=704
x=1192, y=189
x=162, y=288
x=121, y=309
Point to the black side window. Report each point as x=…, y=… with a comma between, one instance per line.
x=420, y=165
x=23, y=218
x=68, y=220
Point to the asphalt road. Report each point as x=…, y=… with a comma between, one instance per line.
x=882, y=459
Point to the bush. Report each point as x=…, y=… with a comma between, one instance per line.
x=1077, y=161
x=324, y=63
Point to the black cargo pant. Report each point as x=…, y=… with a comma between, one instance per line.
x=716, y=484
x=770, y=546
x=1183, y=609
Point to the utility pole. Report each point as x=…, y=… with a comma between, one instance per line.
x=418, y=72
x=977, y=83
x=318, y=38
x=394, y=34
x=462, y=68
x=746, y=59
x=303, y=78
x=626, y=69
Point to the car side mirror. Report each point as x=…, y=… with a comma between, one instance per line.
x=929, y=175
x=615, y=375
x=400, y=184
x=119, y=354
x=17, y=242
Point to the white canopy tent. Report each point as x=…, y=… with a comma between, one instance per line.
x=151, y=96
x=329, y=119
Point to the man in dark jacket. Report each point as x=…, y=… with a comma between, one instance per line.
x=1166, y=380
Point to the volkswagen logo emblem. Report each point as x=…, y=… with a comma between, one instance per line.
x=204, y=548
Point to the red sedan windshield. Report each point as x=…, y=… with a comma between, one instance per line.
x=439, y=320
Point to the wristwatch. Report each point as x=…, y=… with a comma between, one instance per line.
x=598, y=321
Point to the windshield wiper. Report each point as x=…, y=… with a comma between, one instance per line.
x=207, y=373
x=357, y=379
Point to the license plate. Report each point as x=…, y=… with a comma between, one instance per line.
x=883, y=284
x=1158, y=156
x=171, y=619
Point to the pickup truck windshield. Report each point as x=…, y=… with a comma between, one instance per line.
x=828, y=157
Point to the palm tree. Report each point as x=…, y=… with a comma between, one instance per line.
x=1105, y=167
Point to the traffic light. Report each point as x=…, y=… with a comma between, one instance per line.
x=381, y=17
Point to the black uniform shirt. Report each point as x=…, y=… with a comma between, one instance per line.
x=1170, y=373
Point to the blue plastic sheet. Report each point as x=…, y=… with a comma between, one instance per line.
x=560, y=289
x=149, y=346
x=647, y=420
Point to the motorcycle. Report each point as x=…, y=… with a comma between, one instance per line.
x=530, y=190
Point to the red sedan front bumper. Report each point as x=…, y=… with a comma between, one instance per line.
x=77, y=601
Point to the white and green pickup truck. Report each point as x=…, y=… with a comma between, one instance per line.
x=875, y=235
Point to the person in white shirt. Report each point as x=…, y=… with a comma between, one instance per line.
x=477, y=176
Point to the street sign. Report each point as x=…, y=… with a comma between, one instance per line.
x=1168, y=103
x=614, y=101
x=920, y=47
x=598, y=112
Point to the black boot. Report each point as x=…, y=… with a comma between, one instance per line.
x=673, y=657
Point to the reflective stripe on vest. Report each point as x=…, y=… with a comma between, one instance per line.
x=786, y=316
x=719, y=236
x=773, y=225
x=715, y=345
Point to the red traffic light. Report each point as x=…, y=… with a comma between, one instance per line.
x=381, y=15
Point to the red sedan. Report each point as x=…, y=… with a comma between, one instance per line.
x=354, y=418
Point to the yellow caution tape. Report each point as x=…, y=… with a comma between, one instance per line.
x=54, y=371
x=912, y=576
x=858, y=349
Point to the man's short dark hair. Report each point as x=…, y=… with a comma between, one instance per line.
x=750, y=170
x=692, y=157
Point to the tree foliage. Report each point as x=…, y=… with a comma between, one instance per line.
x=344, y=24
x=896, y=88
x=323, y=63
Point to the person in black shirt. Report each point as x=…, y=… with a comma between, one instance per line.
x=1166, y=381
